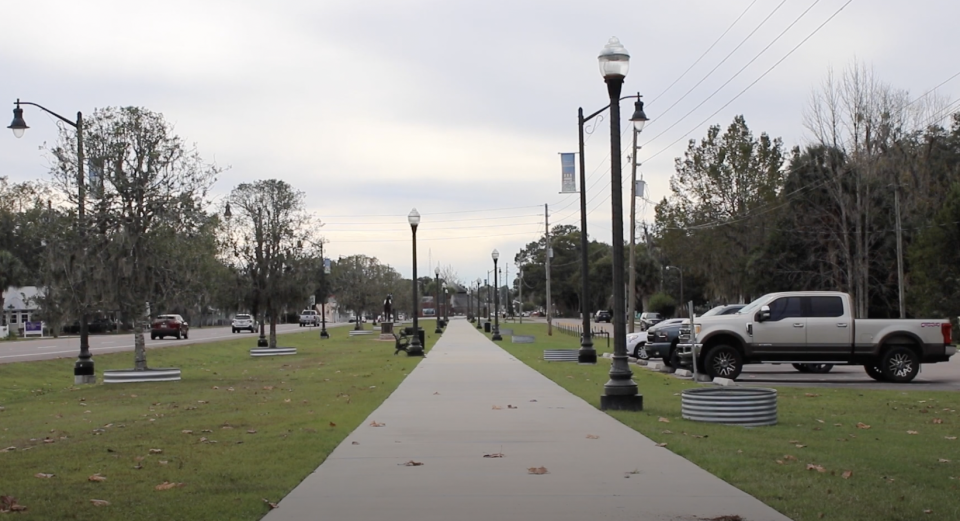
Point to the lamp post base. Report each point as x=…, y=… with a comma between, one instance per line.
x=621, y=402
x=83, y=372
x=415, y=350
x=587, y=356
x=324, y=334
x=496, y=336
x=262, y=342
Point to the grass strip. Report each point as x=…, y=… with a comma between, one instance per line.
x=819, y=462
x=237, y=432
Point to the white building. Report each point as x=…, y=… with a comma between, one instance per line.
x=19, y=307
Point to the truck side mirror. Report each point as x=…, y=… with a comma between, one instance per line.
x=763, y=314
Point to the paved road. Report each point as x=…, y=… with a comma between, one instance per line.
x=69, y=347
x=935, y=377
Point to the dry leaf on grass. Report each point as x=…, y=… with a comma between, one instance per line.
x=100, y=503
x=663, y=420
x=821, y=421
x=9, y=504
x=779, y=462
x=912, y=432
x=494, y=455
x=156, y=451
x=818, y=468
x=96, y=477
x=376, y=424
x=186, y=431
x=252, y=431
x=412, y=463
x=794, y=441
x=928, y=511
x=861, y=425
x=42, y=475
x=799, y=446
x=286, y=400
x=271, y=504
x=163, y=462
x=593, y=437
x=789, y=457
x=949, y=437
x=811, y=395
x=537, y=470
x=937, y=420
x=846, y=474
x=267, y=387
x=942, y=460
x=661, y=445
x=8, y=449
x=333, y=424
x=166, y=485
x=497, y=407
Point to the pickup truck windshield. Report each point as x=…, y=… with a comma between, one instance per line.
x=751, y=308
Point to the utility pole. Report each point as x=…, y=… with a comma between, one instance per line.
x=896, y=203
x=546, y=224
x=632, y=274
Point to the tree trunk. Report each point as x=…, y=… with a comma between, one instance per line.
x=139, y=349
x=273, y=330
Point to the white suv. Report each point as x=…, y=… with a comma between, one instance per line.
x=244, y=323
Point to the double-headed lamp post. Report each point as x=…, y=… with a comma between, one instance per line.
x=415, y=348
x=620, y=392
x=83, y=370
x=479, y=322
x=681, y=285
x=496, y=299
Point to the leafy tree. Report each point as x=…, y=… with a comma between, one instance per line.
x=935, y=277
x=663, y=304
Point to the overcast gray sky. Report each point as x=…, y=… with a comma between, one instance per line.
x=458, y=108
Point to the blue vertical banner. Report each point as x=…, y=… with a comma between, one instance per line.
x=568, y=180
x=326, y=266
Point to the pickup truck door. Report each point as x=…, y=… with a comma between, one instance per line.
x=829, y=328
x=784, y=333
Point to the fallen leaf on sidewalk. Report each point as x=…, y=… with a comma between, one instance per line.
x=42, y=475
x=663, y=420
x=532, y=400
x=270, y=504
x=436, y=393
x=661, y=445
x=100, y=503
x=861, y=425
x=537, y=470
x=96, y=477
x=354, y=443
x=166, y=485
x=593, y=437
x=376, y=424
x=497, y=407
x=411, y=463
x=512, y=407
x=494, y=455
x=846, y=474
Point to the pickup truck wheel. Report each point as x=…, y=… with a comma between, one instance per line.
x=723, y=361
x=874, y=372
x=803, y=368
x=675, y=360
x=899, y=364
x=819, y=368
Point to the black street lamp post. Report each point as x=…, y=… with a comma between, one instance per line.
x=479, y=322
x=587, y=354
x=415, y=348
x=324, y=293
x=496, y=299
x=620, y=392
x=83, y=368
x=436, y=294
x=446, y=305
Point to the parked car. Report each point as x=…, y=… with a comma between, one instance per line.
x=637, y=342
x=243, y=322
x=309, y=317
x=603, y=315
x=662, y=338
x=816, y=328
x=648, y=319
x=169, y=325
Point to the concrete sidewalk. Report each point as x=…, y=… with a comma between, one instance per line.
x=442, y=415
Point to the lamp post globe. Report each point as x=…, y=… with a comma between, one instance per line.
x=415, y=349
x=620, y=392
x=18, y=125
x=496, y=299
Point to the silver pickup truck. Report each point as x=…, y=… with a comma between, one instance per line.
x=814, y=329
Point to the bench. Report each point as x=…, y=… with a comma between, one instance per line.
x=403, y=340
x=561, y=355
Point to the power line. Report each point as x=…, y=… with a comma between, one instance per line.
x=704, y=53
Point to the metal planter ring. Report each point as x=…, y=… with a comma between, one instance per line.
x=747, y=406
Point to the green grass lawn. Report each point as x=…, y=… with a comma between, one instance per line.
x=905, y=463
x=235, y=431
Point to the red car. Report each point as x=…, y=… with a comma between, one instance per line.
x=169, y=325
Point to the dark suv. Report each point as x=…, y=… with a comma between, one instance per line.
x=662, y=339
x=603, y=315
